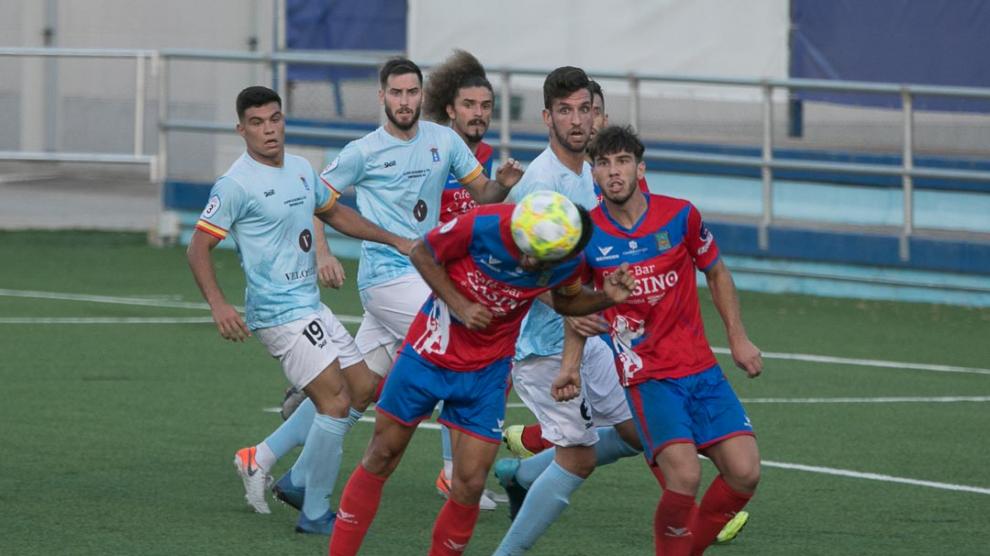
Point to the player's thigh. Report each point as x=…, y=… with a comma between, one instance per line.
x=660, y=411
x=716, y=410
x=412, y=390
x=738, y=461
x=474, y=402
x=562, y=423
x=389, y=310
x=601, y=385
x=303, y=347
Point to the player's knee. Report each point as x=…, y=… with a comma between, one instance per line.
x=682, y=474
x=467, y=488
x=743, y=476
x=380, y=458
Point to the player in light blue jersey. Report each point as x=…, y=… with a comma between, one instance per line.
x=399, y=172
x=266, y=202
x=551, y=477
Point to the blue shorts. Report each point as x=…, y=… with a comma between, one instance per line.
x=700, y=409
x=473, y=401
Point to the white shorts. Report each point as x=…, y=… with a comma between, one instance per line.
x=307, y=346
x=602, y=402
x=389, y=310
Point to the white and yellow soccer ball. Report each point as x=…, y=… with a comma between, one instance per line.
x=546, y=225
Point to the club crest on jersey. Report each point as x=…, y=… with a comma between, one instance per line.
x=663, y=240
x=436, y=154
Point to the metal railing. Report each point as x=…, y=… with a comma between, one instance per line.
x=766, y=162
x=142, y=58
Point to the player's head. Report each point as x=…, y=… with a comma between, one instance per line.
x=261, y=123
x=401, y=92
x=599, y=118
x=458, y=92
x=567, y=108
x=617, y=163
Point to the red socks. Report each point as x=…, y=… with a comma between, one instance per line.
x=532, y=439
x=452, y=529
x=358, y=506
x=718, y=506
x=671, y=532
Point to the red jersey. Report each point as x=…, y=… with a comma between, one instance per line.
x=483, y=262
x=657, y=333
x=455, y=199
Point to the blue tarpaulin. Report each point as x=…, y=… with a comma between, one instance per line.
x=343, y=25
x=934, y=42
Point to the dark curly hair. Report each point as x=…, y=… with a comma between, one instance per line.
x=458, y=71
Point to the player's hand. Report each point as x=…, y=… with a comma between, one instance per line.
x=329, y=271
x=475, y=316
x=746, y=356
x=229, y=323
x=589, y=325
x=566, y=385
x=509, y=174
x=619, y=285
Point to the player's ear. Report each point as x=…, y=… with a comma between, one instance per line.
x=381, y=96
x=546, y=118
x=641, y=170
x=450, y=111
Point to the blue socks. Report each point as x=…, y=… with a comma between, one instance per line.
x=610, y=448
x=547, y=498
x=293, y=431
x=319, y=462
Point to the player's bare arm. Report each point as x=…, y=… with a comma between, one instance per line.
x=229, y=323
x=475, y=316
x=348, y=221
x=745, y=354
x=329, y=271
x=586, y=325
x=567, y=385
x=486, y=191
x=584, y=301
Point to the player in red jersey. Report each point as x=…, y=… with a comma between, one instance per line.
x=458, y=93
x=679, y=397
x=459, y=349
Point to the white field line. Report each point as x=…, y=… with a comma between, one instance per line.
x=106, y=320
x=808, y=469
x=865, y=362
x=351, y=319
x=884, y=399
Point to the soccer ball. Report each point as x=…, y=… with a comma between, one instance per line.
x=546, y=225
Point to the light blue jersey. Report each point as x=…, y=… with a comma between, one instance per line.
x=543, y=330
x=269, y=213
x=398, y=185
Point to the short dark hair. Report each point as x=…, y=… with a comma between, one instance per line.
x=398, y=66
x=563, y=82
x=253, y=96
x=615, y=139
x=596, y=89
